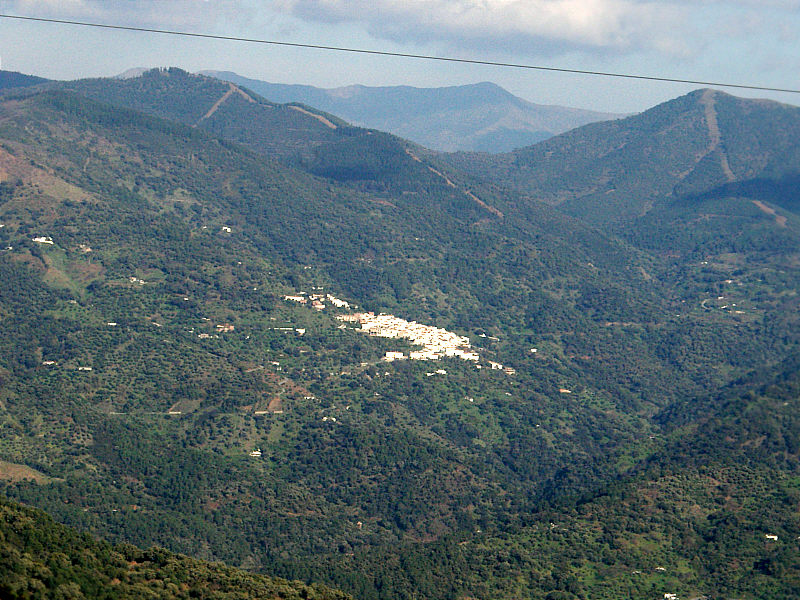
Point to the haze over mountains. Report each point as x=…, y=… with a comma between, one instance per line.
x=630, y=289
x=482, y=117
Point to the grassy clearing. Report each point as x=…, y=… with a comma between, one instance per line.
x=15, y=472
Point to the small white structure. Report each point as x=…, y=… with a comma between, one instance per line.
x=771, y=537
x=43, y=240
x=256, y=453
x=337, y=302
x=392, y=356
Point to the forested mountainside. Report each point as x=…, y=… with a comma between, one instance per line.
x=163, y=383
x=42, y=559
x=480, y=117
x=712, y=513
x=704, y=144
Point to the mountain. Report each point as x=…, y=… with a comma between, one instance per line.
x=42, y=559
x=706, y=142
x=479, y=117
x=131, y=73
x=161, y=383
x=12, y=79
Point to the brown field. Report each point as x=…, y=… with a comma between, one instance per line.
x=14, y=472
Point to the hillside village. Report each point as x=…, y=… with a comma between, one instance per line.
x=436, y=342
x=165, y=386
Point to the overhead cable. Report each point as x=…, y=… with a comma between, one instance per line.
x=451, y=59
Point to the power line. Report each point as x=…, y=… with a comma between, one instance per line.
x=404, y=54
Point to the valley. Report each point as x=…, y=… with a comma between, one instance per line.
x=193, y=272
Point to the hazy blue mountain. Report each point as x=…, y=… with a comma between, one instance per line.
x=480, y=117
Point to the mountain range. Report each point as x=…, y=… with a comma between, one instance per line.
x=481, y=117
x=629, y=289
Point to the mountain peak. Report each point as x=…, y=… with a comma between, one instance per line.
x=479, y=116
x=132, y=73
x=696, y=144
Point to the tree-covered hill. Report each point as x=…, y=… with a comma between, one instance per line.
x=612, y=172
x=42, y=559
x=148, y=350
x=287, y=131
x=712, y=513
x=13, y=79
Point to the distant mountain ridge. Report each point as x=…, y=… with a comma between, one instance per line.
x=479, y=117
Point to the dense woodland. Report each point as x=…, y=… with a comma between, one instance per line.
x=648, y=445
x=42, y=559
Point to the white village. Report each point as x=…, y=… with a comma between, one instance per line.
x=436, y=342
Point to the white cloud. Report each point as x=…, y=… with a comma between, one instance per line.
x=788, y=5
x=519, y=25
x=197, y=15
x=671, y=28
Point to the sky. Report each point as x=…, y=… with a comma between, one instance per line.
x=751, y=42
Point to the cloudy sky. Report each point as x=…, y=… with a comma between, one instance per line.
x=755, y=42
